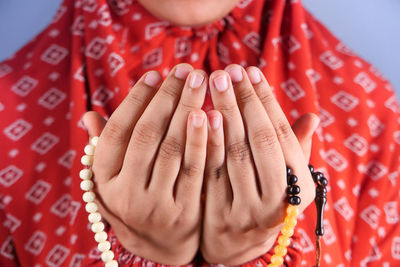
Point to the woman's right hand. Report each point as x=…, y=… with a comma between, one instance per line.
x=149, y=165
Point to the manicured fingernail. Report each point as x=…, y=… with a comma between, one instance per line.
x=254, y=76
x=182, y=71
x=196, y=79
x=215, y=122
x=197, y=120
x=152, y=78
x=235, y=72
x=221, y=83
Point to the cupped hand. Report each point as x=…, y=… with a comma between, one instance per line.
x=149, y=165
x=246, y=163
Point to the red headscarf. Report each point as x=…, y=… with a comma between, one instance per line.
x=94, y=51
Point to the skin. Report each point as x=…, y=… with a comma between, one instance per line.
x=189, y=12
x=151, y=164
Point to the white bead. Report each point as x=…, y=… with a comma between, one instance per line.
x=94, y=140
x=87, y=160
x=112, y=263
x=89, y=150
x=100, y=236
x=104, y=246
x=94, y=217
x=87, y=185
x=97, y=227
x=85, y=174
x=89, y=196
x=107, y=256
x=91, y=207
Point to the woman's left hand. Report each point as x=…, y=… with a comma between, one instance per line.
x=245, y=173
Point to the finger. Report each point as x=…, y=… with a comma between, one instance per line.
x=304, y=129
x=94, y=123
x=115, y=136
x=151, y=127
x=190, y=180
x=218, y=191
x=169, y=158
x=239, y=159
x=290, y=146
x=265, y=147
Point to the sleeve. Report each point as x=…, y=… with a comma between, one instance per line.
x=8, y=256
x=292, y=258
x=125, y=257
x=376, y=237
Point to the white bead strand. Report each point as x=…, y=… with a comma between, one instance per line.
x=85, y=174
x=97, y=227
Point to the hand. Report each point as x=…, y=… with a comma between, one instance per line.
x=149, y=165
x=246, y=167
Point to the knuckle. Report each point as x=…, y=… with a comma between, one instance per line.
x=169, y=91
x=283, y=130
x=113, y=132
x=171, y=147
x=217, y=172
x=228, y=109
x=214, y=145
x=264, y=139
x=145, y=133
x=187, y=106
x=191, y=170
x=266, y=98
x=246, y=95
x=134, y=99
x=239, y=151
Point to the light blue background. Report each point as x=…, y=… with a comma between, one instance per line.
x=369, y=27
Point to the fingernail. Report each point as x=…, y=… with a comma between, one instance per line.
x=215, y=122
x=196, y=79
x=182, y=71
x=197, y=120
x=152, y=78
x=235, y=72
x=254, y=76
x=316, y=124
x=221, y=83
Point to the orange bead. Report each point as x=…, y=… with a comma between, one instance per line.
x=280, y=251
x=292, y=211
x=276, y=260
x=287, y=231
x=290, y=221
x=284, y=241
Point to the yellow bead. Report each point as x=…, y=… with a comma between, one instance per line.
x=284, y=241
x=276, y=260
x=287, y=231
x=290, y=221
x=292, y=211
x=280, y=251
x=272, y=265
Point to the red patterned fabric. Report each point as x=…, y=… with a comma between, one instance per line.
x=95, y=50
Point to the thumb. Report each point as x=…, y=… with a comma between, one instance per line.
x=304, y=129
x=94, y=123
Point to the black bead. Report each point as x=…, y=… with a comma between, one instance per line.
x=294, y=200
x=324, y=181
x=292, y=179
x=293, y=190
x=288, y=171
x=311, y=167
